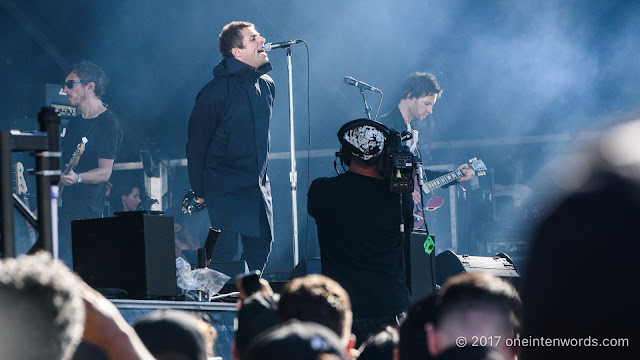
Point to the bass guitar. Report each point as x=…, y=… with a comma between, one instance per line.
x=75, y=158
x=21, y=190
x=434, y=201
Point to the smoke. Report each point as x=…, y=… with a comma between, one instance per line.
x=508, y=69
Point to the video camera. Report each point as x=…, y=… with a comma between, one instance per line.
x=398, y=165
x=370, y=140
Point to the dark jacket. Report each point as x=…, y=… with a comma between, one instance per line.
x=228, y=146
x=361, y=246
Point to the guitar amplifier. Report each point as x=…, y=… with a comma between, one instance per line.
x=134, y=252
x=32, y=97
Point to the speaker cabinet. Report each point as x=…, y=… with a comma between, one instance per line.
x=449, y=264
x=134, y=252
x=306, y=267
x=420, y=269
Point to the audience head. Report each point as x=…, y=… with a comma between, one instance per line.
x=176, y=335
x=475, y=304
x=297, y=340
x=413, y=336
x=576, y=284
x=42, y=308
x=256, y=314
x=320, y=299
x=381, y=346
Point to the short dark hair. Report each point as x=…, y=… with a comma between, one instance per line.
x=42, y=307
x=419, y=84
x=87, y=70
x=319, y=299
x=257, y=314
x=413, y=337
x=296, y=340
x=177, y=332
x=469, y=290
x=230, y=37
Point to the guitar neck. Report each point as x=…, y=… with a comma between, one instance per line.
x=443, y=180
x=69, y=168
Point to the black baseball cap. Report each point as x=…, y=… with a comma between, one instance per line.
x=296, y=340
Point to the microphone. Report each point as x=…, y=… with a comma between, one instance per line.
x=277, y=45
x=359, y=84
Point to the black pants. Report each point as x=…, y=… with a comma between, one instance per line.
x=255, y=250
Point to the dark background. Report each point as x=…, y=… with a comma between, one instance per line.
x=515, y=74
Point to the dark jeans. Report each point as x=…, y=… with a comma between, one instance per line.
x=255, y=250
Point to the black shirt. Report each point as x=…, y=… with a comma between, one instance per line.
x=361, y=245
x=104, y=137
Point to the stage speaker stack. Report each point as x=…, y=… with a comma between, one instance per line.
x=132, y=253
x=449, y=264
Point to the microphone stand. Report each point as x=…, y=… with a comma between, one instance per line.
x=293, y=175
x=367, y=108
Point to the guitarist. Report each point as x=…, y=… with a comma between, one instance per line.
x=84, y=192
x=420, y=92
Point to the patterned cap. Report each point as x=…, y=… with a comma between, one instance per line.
x=363, y=137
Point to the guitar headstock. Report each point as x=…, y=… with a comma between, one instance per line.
x=21, y=184
x=478, y=166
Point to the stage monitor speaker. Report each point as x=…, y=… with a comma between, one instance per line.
x=422, y=281
x=306, y=267
x=230, y=268
x=449, y=264
x=134, y=252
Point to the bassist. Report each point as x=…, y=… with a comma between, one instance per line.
x=84, y=185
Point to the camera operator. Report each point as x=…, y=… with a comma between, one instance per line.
x=359, y=228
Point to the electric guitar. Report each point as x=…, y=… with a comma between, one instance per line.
x=434, y=201
x=75, y=158
x=21, y=190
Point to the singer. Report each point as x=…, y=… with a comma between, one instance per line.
x=228, y=146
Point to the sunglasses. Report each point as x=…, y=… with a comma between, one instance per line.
x=69, y=84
